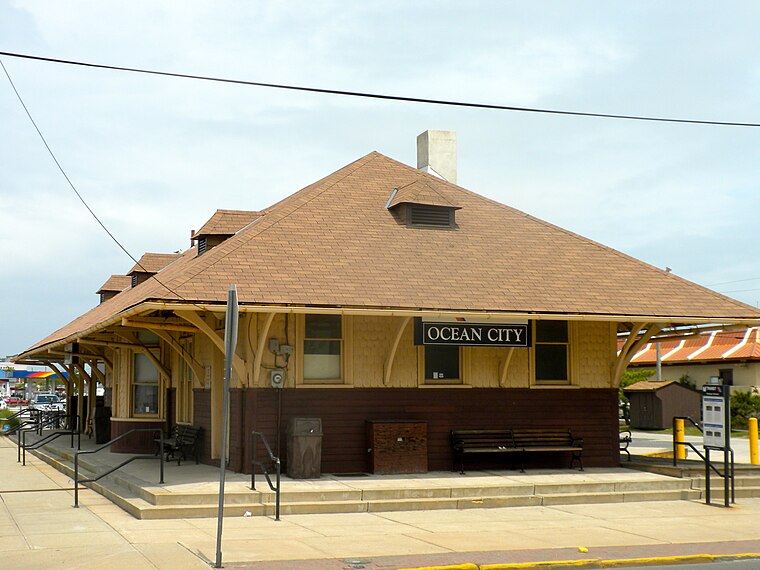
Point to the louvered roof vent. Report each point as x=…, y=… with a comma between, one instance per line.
x=421, y=205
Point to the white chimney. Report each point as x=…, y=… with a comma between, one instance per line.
x=437, y=154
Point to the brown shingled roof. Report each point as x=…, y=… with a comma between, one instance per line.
x=153, y=262
x=648, y=386
x=115, y=283
x=227, y=222
x=334, y=243
x=422, y=192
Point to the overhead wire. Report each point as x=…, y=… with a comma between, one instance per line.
x=381, y=96
x=71, y=185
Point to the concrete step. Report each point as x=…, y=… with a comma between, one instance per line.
x=154, y=501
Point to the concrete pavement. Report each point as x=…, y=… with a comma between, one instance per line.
x=39, y=528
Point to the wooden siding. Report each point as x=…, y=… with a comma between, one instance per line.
x=140, y=442
x=590, y=414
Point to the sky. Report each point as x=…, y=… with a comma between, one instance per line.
x=154, y=157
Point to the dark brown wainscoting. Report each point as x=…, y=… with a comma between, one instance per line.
x=141, y=442
x=590, y=413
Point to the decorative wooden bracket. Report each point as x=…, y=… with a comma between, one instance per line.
x=388, y=368
x=260, y=349
x=194, y=365
x=632, y=346
x=195, y=319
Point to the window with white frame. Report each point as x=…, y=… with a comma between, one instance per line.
x=323, y=349
x=144, y=385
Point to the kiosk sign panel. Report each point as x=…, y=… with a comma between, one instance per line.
x=715, y=416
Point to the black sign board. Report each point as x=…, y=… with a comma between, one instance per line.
x=471, y=334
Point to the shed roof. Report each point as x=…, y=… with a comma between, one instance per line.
x=115, y=284
x=227, y=222
x=153, y=262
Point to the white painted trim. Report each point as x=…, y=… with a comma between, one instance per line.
x=733, y=349
x=676, y=349
x=705, y=347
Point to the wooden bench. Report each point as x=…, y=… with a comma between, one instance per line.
x=625, y=441
x=182, y=443
x=480, y=441
x=544, y=440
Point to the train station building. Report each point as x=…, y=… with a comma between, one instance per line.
x=382, y=294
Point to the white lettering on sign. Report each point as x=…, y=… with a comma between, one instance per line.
x=475, y=334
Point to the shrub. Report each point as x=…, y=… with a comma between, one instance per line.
x=744, y=405
x=6, y=424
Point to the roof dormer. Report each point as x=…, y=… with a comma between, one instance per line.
x=148, y=265
x=420, y=205
x=115, y=285
x=223, y=225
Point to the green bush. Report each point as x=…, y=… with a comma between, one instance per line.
x=6, y=424
x=744, y=405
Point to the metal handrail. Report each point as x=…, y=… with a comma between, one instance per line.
x=728, y=469
x=18, y=414
x=37, y=425
x=120, y=465
x=275, y=461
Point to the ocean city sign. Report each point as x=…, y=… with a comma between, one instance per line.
x=472, y=334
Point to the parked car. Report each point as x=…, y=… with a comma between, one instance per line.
x=3, y=404
x=16, y=401
x=47, y=403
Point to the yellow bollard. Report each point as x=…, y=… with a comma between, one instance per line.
x=680, y=449
x=752, y=426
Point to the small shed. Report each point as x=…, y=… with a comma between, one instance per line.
x=655, y=404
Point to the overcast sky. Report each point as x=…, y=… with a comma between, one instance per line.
x=155, y=157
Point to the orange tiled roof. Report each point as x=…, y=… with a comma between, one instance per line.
x=115, y=283
x=153, y=262
x=708, y=347
x=227, y=222
x=334, y=243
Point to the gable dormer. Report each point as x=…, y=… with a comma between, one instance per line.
x=223, y=225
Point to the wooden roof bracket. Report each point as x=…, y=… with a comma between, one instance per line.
x=388, y=368
x=194, y=318
x=505, y=367
x=632, y=346
x=194, y=365
x=259, y=357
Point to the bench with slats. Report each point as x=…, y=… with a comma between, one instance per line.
x=480, y=441
x=543, y=440
x=182, y=443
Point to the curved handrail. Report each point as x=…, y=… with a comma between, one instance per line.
x=275, y=461
x=120, y=465
x=37, y=424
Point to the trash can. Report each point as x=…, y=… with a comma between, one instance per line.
x=102, y=424
x=304, y=448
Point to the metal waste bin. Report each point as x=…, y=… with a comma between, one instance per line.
x=102, y=424
x=304, y=448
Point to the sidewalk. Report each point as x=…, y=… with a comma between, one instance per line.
x=39, y=528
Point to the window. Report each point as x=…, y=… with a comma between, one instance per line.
x=323, y=349
x=145, y=385
x=551, y=352
x=442, y=364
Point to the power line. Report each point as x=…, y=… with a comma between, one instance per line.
x=71, y=185
x=735, y=281
x=385, y=97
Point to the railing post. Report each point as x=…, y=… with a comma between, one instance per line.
x=76, y=480
x=23, y=447
x=253, y=461
x=161, y=453
x=277, y=493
